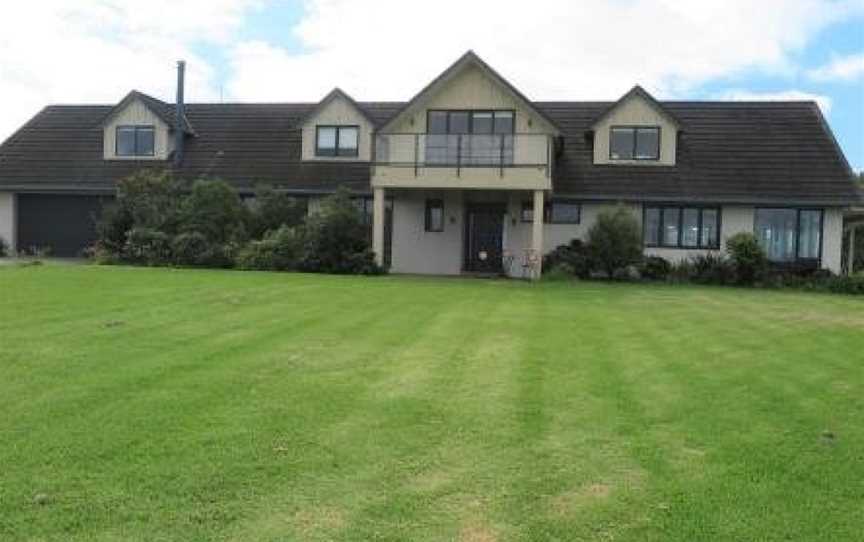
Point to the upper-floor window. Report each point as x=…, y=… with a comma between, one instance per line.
x=634, y=143
x=470, y=138
x=336, y=140
x=135, y=140
x=682, y=227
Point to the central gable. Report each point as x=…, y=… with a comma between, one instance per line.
x=470, y=84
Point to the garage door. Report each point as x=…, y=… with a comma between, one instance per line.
x=63, y=224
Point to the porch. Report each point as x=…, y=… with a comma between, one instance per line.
x=456, y=232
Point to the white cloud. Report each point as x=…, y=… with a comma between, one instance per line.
x=555, y=49
x=783, y=95
x=842, y=68
x=55, y=51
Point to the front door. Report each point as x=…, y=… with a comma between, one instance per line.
x=484, y=246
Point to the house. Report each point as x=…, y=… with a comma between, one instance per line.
x=468, y=176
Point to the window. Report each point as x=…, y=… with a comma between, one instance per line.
x=681, y=227
x=788, y=235
x=563, y=212
x=634, y=143
x=366, y=206
x=434, y=215
x=479, y=138
x=135, y=141
x=336, y=140
x=527, y=211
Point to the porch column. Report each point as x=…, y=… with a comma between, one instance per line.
x=378, y=225
x=537, y=234
x=850, y=266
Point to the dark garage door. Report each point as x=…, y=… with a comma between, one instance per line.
x=65, y=224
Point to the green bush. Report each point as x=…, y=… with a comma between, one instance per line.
x=712, y=269
x=747, y=257
x=335, y=239
x=150, y=199
x=147, y=246
x=112, y=227
x=271, y=210
x=279, y=251
x=4, y=248
x=559, y=271
x=615, y=241
x=214, y=210
x=572, y=256
x=655, y=268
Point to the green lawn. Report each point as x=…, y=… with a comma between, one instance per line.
x=195, y=405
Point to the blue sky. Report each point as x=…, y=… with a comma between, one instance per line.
x=297, y=50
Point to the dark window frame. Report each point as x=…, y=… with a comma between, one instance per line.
x=337, y=150
x=470, y=113
x=135, y=129
x=636, y=129
x=432, y=203
x=798, y=211
x=662, y=208
x=549, y=211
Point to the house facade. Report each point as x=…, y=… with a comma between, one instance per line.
x=469, y=176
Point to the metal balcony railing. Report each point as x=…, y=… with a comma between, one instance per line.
x=459, y=151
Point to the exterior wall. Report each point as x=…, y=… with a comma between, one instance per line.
x=832, y=240
x=8, y=219
x=636, y=112
x=338, y=112
x=138, y=114
x=417, y=251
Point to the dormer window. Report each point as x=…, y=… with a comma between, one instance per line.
x=336, y=140
x=135, y=140
x=634, y=143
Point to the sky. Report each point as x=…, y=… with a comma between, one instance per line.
x=60, y=52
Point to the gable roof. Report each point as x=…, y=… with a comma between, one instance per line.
x=332, y=95
x=166, y=112
x=638, y=91
x=470, y=58
x=732, y=152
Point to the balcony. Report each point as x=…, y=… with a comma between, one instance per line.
x=519, y=161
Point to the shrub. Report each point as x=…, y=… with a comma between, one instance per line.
x=147, y=246
x=113, y=224
x=747, y=256
x=150, y=199
x=279, y=251
x=573, y=256
x=559, y=271
x=271, y=210
x=193, y=249
x=615, y=241
x=214, y=210
x=852, y=284
x=4, y=248
x=712, y=269
x=335, y=239
x=655, y=268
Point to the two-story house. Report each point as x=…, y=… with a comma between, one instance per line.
x=467, y=176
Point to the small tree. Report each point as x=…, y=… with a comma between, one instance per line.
x=335, y=239
x=272, y=210
x=214, y=210
x=615, y=240
x=747, y=257
x=150, y=199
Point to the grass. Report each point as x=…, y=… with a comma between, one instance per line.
x=205, y=405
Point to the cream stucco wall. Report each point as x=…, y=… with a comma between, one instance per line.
x=417, y=251
x=338, y=111
x=832, y=241
x=8, y=219
x=137, y=114
x=636, y=111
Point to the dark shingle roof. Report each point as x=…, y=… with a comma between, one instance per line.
x=734, y=152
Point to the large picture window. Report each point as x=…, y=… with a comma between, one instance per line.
x=634, y=143
x=336, y=140
x=788, y=235
x=467, y=137
x=681, y=227
x=135, y=141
